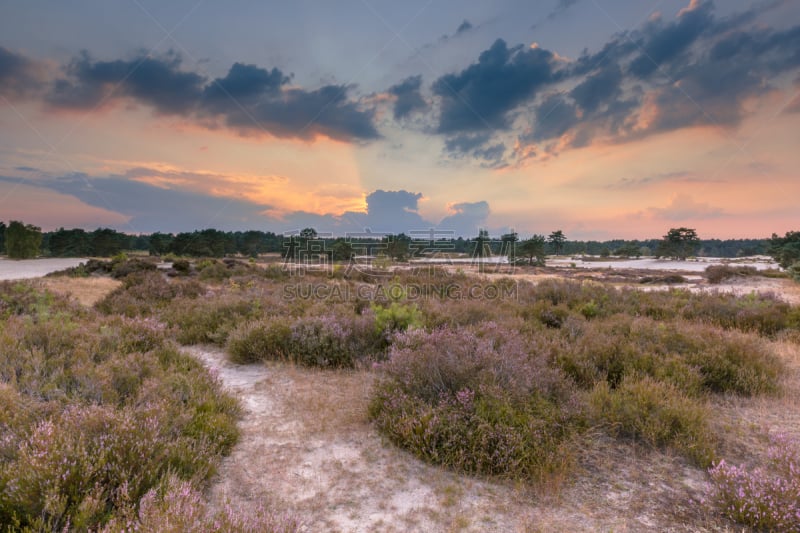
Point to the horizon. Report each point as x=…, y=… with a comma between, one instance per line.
x=603, y=119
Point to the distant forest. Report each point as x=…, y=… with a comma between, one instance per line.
x=106, y=242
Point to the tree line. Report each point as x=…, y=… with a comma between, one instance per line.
x=20, y=240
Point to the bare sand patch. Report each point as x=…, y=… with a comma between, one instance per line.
x=87, y=291
x=308, y=447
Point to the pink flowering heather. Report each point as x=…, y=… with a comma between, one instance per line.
x=765, y=497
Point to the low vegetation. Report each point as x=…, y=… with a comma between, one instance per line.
x=492, y=377
x=101, y=417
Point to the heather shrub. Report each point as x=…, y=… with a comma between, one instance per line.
x=335, y=340
x=340, y=339
x=719, y=273
x=262, y=340
x=766, y=497
x=764, y=314
x=477, y=402
x=122, y=266
x=176, y=506
x=143, y=293
x=93, y=408
x=198, y=321
x=655, y=413
x=695, y=358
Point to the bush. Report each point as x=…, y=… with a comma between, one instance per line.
x=766, y=497
x=94, y=413
x=720, y=273
x=263, y=340
x=695, y=358
x=341, y=340
x=177, y=506
x=477, y=402
x=655, y=413
x=142, y=293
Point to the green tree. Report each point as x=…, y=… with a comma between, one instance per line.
x=629, y=249
x=533, y=249
x=482, y=248
x=679, y=243
x=785, y=250
x=160, y=243
x=342, y=250
x=22, y=241
x=398, y=247
x=509, y=245
x=2, y=236
x=556, y=241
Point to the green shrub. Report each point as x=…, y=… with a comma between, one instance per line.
x=476, y=402
x=263, y=340
x=655, y=413
x=695, y=358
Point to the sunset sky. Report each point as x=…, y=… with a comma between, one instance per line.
x=603, y=118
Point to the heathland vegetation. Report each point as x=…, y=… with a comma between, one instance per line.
x=107, y=424
x=497, y=378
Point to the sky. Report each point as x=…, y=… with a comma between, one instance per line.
x=602, y=118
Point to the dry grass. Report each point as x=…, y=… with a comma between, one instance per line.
x=87, y=291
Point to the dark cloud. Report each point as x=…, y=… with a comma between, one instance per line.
x=464, y=27
x=482, y=96
x=249, y=99
x=26, y=169
x=157, y=82
x=478, y=146
x=19, y=75
x=554, y=117
x=408, y=97
x=243, y=84
x=601, y=87
x=663, y=42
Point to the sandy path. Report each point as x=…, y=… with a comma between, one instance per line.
x=307, y=447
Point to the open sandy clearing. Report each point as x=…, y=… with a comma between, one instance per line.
x=308, y=448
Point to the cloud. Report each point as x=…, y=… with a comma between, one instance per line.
x=464, y=27
x=683, y=207
x=482, y=96
x=156, y=82
x=467, y=218
x=408, y=99
x=663, y=42
x=677, y=175
x=19, y=75
x=149, y=208
x=249, y=99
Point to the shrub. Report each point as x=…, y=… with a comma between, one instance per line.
x=177, y=506
x=93, y=409
x=331, y=340
x=695, y=358
x=766, y=497
x=268, y=339
x=142, y=293
x=476, y=402
x=396, y=317
x=655, y=413
x=720, y=273
x=209, y=320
